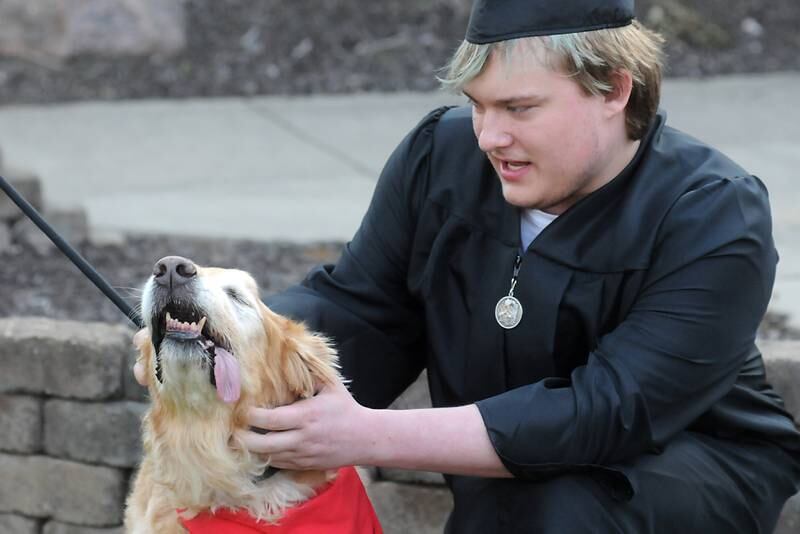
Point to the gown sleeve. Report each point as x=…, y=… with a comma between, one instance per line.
x=362, y=302
x=677, y=352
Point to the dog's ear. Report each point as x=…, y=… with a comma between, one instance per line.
x=307, y=361
x=310, y=362
x=143, y=344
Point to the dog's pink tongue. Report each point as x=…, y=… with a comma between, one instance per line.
x=226, y=375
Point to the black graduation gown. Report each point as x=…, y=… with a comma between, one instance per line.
x=641, y=303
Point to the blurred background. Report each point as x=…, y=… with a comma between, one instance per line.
x=250, y=134
x=59, y=50
x=131, y=122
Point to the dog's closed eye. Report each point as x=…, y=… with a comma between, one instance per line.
x=236, y=296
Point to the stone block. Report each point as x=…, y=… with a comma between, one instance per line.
x=415, y=396
x=367, y=473
x=30, y=29
x=105, y=433
x=49, y=32
x=55, y=527
x=21, y=421
x=789, y=521
x=62, y=358
x=117, y=27
x=38, y=486
x=71, y=225
x=404, y=508
x=412, y=477
x=16, y=524
x=782, y=360
x=28, y=186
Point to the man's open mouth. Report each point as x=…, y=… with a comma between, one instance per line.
x=513, y=166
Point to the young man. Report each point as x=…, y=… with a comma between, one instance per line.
x=582, y=283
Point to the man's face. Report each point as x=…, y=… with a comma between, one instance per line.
x=549, y=142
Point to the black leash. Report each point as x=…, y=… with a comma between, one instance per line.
x=85, y=267
x=90, y=272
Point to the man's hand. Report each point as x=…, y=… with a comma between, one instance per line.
x=326, y=431
x=139, y=339
x=332, y=430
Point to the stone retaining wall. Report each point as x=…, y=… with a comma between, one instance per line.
x=70, y=426
x=69, y=438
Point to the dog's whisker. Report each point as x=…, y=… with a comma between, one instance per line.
x=137, y=291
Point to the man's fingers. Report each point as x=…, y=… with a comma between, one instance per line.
x=273, y=443
x=141, y=337
x=281, y=418
x=140, y=373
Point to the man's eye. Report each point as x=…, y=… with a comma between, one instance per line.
x=518, y=109
x=236, y=296
x=473, y=104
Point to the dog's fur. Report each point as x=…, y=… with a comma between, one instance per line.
x=192, y=461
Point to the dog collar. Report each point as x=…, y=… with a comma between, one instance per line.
x=268, y=473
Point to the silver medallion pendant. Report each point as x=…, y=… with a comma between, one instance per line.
x=508, y=312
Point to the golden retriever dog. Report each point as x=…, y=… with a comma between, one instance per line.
x=214, y=351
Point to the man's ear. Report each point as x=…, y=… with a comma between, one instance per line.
x=617, y=99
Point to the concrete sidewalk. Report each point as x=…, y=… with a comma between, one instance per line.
x=303, y=169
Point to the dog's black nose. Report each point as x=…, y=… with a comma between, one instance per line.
x=174, y=271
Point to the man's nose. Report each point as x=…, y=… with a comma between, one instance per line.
x=172, y=271
x=492, y=133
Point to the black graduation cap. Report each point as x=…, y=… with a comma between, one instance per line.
x=500, y=20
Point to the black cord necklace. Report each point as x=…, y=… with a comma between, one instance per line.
x=508, y=311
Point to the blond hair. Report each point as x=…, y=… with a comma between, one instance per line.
x=591, y=58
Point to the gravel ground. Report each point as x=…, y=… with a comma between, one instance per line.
x=242, y=47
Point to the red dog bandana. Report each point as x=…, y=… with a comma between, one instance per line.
x=342, y=507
